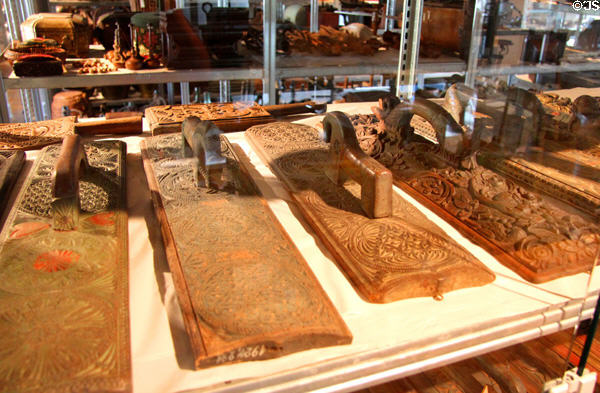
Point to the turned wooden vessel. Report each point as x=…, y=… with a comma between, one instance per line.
x=244, y=290
x=398, y=256
x=75, y=100
x=64, y=318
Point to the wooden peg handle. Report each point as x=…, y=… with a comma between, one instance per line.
x=348, y=160
x=122, y=125
x=65, y=184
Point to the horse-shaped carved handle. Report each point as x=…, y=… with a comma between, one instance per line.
x=204, y=139
x=65, y=205
x=449, y=133
x=348, y=160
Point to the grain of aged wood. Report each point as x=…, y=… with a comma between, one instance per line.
x=26, y=136
x=11, y=163
x=64, y=320
x=227, y=116
x=244, y=290
x=535, y=234
x=397, y=257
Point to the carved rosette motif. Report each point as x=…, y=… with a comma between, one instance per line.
x=33, y=135
x=539, y=237
x=245, y=281
x=64, y=320
x=387, y=259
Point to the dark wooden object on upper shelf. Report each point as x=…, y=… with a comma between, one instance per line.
x=185, y=48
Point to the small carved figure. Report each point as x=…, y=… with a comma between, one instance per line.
x=204, y=139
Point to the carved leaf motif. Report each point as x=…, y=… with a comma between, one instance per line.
x=25, y=136
x=387, y=259
x=537, y=236
x=63, y=295
x=244, y=281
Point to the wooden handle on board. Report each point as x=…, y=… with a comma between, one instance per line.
x=123, y=125
x=348, y=160
x=449, y=133
x=65, y=184
x=295, y=109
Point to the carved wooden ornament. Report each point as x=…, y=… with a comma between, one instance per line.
x=25, y=136
x=64, y=319
x=236, y=116
x=386, y=259
x=537, y=236
x=245, y=291
x=168, y=118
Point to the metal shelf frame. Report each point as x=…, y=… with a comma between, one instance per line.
x=269, y=73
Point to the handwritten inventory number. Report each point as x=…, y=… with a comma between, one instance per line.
x=586, y=5
x=245, y=353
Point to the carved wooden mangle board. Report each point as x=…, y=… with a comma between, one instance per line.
x=245, y=291
x=24, y=136
x=386, y=259
x=64, y=319
x=227, y=116
x=10, y=165
x=538, y=237
x=556, y=175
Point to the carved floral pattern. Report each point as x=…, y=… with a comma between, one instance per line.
x=35, y=134
x=175, y=114
x=55, y=260
x=248, y=288
x=64, y=323
x=539, y=237
x=386, y=259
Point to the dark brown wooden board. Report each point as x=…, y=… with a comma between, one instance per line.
x=227, y=116
x=539, y=237
x=386, y=259
x=64, y=314
x=244, y=289
x=11, y=163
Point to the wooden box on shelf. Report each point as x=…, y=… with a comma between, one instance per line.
x=71, y=31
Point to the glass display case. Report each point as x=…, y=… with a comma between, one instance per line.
x=478, y=121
